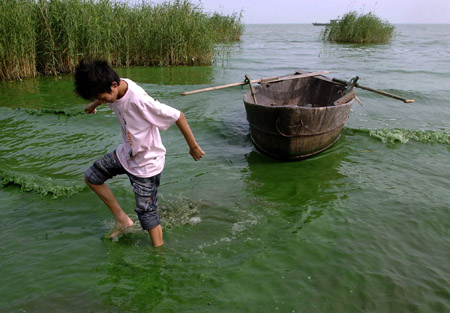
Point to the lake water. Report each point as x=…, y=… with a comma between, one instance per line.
x=362, y=227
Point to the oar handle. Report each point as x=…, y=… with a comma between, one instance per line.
x=257, y=81
x=380, y=92
x=186, y=93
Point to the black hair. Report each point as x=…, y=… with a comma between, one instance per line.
x=94, y=77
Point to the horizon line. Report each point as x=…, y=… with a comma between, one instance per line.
x=303, y=23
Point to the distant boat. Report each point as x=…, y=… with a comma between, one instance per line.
x=325, y=24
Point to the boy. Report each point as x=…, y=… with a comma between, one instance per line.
x=141, y=154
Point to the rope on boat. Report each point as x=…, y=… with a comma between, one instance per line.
x=289, y=136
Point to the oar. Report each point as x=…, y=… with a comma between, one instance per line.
x=256, y=81
x=384, y=93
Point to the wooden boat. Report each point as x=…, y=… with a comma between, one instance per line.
x=293, y=119
x=296, y=116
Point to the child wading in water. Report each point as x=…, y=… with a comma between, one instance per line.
x=141, y=155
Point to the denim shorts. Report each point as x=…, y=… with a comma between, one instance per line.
x=145, y=189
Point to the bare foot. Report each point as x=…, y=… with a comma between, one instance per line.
x=120, y=228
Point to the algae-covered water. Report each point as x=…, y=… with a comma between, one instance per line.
x=362, y=227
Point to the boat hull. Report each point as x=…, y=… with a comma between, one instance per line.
x=296, y=119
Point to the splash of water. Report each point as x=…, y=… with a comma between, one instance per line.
x=179, y=212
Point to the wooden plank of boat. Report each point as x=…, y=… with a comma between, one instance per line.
x=296, y=75
x=297, y=119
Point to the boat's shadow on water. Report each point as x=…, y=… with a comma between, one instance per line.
x=302, y=190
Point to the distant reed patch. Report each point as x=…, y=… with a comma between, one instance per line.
x=50, y=37
x=354, y=28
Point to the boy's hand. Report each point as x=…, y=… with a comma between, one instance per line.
x=194, y=149
x=91, y=108
x=196, y=152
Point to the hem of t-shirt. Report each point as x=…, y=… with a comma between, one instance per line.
x=146, y=176
x=157, y=170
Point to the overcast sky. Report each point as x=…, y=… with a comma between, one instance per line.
x=308, y=11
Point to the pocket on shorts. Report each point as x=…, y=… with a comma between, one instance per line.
x=142, y=190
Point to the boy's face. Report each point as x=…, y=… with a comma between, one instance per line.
x=109, y=97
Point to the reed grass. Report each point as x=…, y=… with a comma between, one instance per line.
x=51, y=36
x=354, y=28
x=17, y=39
x=227, y=28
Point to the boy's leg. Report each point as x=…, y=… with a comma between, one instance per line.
x=103, y=169
x=146, y=194
x=122, y=220
x=156, y=236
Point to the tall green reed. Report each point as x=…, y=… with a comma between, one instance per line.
x=61, y=32
x=227, y=28
x=354, y=28
x=17, y=39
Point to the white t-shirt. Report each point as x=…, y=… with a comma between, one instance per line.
x=142, y=153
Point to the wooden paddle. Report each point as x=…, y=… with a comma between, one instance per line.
x=384, y=93
x=256, y=81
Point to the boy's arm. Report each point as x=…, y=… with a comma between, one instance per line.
x=194, y=149
x=92, y=107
